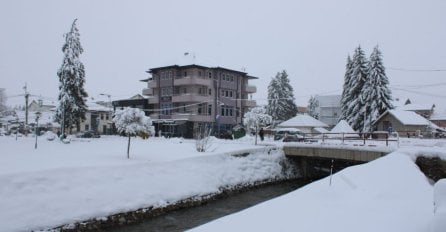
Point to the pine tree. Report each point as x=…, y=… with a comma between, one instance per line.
x=313, y=103
x=376, y=93
x=281, y=104
x=72, y=106
x=3, y=99
x=346, y=98
x=355, y=102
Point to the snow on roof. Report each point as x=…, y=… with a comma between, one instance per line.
x=320, y=130
x=302, y=120
x=329, y=100
x=413, y=107
x=287, y=129
x=96, y=107
x=342, y=127
x=409, y=118
x=439, y=114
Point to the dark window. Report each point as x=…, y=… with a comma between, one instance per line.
x=210, y=91
x=210, y=75
x=87, y=127
x=209, y=109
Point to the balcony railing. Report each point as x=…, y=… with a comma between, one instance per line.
x=191, y=98
x=192, y=80
x=147, y=91
x=152, y=84
x=193, y=117
x=250, y=89
x=249, y=103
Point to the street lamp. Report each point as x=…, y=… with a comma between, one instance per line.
x=38, y=114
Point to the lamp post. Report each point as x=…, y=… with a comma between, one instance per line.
x=38, y=114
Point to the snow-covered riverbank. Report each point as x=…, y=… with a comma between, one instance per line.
x=65, y=183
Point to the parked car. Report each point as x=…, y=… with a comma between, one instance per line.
x=282, y=132
x=293, y=138
x=88, y=134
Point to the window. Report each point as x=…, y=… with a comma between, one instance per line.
x=166, y=109
x=209, y=74
x=87, y=127
x=230, y=93
x=223, y=76
x=199, y=108
x=222, y=93
x=106, y=117
x=199, y=73
x=210, y=91
x=166, y=91
x=185, y=74
x=170, y=74
x=226, y=93
x=209, y=109
x=102, y=116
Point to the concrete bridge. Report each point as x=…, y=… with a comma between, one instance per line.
x=316, y=161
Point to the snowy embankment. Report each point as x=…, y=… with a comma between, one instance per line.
x=64, y=183
x=388, y=194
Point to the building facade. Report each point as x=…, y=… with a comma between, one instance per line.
x=183, y=98
x=329, y=109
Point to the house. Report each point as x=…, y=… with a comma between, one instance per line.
x=328, y=109
x=41, y=106
x=404, y=122
x=182, y=98
x=98, y=118
x=303, y=122
x=136, y=101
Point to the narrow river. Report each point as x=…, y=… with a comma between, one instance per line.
x=184, y=219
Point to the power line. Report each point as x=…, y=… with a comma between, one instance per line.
x=415, y=70
x=421, y=93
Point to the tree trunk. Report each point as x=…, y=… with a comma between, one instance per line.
x=128, y=149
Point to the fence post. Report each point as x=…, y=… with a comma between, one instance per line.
x=387, y=140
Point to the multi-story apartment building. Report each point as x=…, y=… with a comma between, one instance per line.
x=186, y=97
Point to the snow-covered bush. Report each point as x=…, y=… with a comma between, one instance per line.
x=132, y=121
x=256, y=117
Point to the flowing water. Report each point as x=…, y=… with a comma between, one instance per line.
x=184, y=219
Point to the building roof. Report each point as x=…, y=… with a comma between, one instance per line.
x=91, y=106
x=329, y=100
x=414, y=107
x=439, y=114
x=197, y=66
x=407, y=117
x=342, y=127
x=302, y=120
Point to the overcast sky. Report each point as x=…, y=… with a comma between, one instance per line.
x=310, y=39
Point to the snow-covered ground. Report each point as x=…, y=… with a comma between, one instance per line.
x=63, y=183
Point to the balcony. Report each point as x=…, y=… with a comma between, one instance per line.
x=192, y=117
x=249, y=103
x=191, y=98
x=152, y=84
x=153, y=100
x=147, y=91
x=250, y=89
x=191, y=80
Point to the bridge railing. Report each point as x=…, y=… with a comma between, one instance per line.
x=363, y=137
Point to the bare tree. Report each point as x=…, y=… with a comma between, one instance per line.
x=203, y=137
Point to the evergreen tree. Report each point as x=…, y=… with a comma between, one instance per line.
x=72, y=106
x=281, y=104
x=345, y=97
x=3, y=99
x=376, y=93
x=355, y=92
x=407, y=102
x=313, y=104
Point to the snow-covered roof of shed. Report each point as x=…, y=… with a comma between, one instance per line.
x=320, y=130
x=302, y=120
x=342, y=127
x=408, y=117
x=329, y=100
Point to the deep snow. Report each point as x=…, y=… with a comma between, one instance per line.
x=90, y=178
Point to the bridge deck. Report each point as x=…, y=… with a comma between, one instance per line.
x=353, y=154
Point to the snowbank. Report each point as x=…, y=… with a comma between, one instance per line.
x=64, y=188
x=388, y=194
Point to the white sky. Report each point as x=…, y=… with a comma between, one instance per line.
x=310, y=39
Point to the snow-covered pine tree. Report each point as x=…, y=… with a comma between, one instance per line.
x=313, y=103
x=346, y=98
x=3, y=99
x=273, y=98
x=376, y=93
x=407, y=102
x=281, y=104
x=355, y=91
x=72, y=95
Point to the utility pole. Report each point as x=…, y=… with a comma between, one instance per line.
x=26, y=104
